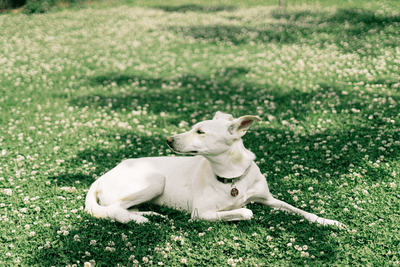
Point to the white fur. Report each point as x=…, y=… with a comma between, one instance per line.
x=190, y=183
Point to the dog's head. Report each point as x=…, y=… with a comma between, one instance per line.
x=212, y=136
x=223, y=116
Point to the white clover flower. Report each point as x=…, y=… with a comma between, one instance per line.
x=124, y=237
x=8, y=192
x=47, y=245
x=109, y=249
x=304, y=254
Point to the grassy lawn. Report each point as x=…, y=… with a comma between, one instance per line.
x=83, y=89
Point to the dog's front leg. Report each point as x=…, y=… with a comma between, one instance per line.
x=278, y=204
x=228, y=215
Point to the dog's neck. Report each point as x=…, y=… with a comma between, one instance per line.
x=232, y=163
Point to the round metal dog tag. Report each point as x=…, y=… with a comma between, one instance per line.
x=234, y=192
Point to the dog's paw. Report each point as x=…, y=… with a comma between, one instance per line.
x=246, y=214
x=156, y=214
x=140, y=219
x=126, y=217
x=339, y=224
x=330, y=222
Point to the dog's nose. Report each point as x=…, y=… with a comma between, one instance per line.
x=170, y=140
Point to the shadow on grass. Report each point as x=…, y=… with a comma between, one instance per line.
x=354, y=16
x=189, y=95
x=354, y=30
x=196, y=8
x=104, y=159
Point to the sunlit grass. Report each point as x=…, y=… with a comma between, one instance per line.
x=81, y=91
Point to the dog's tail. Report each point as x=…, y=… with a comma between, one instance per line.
x=93, y=207
x=91, y=204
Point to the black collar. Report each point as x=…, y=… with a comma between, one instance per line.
x=232, y=180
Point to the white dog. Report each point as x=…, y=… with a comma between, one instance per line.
x=213, y=185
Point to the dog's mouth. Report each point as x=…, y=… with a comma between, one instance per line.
x=193, y=152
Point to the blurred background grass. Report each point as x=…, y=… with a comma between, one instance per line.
x=42, y=6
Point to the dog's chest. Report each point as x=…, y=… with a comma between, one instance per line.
x=224, y=196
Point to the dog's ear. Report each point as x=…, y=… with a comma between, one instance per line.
x=223, y=116
x=240, y=125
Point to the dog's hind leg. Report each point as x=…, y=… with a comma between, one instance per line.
x=112, y=198
x=153, y=189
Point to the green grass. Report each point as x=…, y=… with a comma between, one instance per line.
x=81, y=90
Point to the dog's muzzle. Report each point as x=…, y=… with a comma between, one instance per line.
x=171, y=144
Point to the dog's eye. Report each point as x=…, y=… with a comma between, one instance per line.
x=199, y=131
